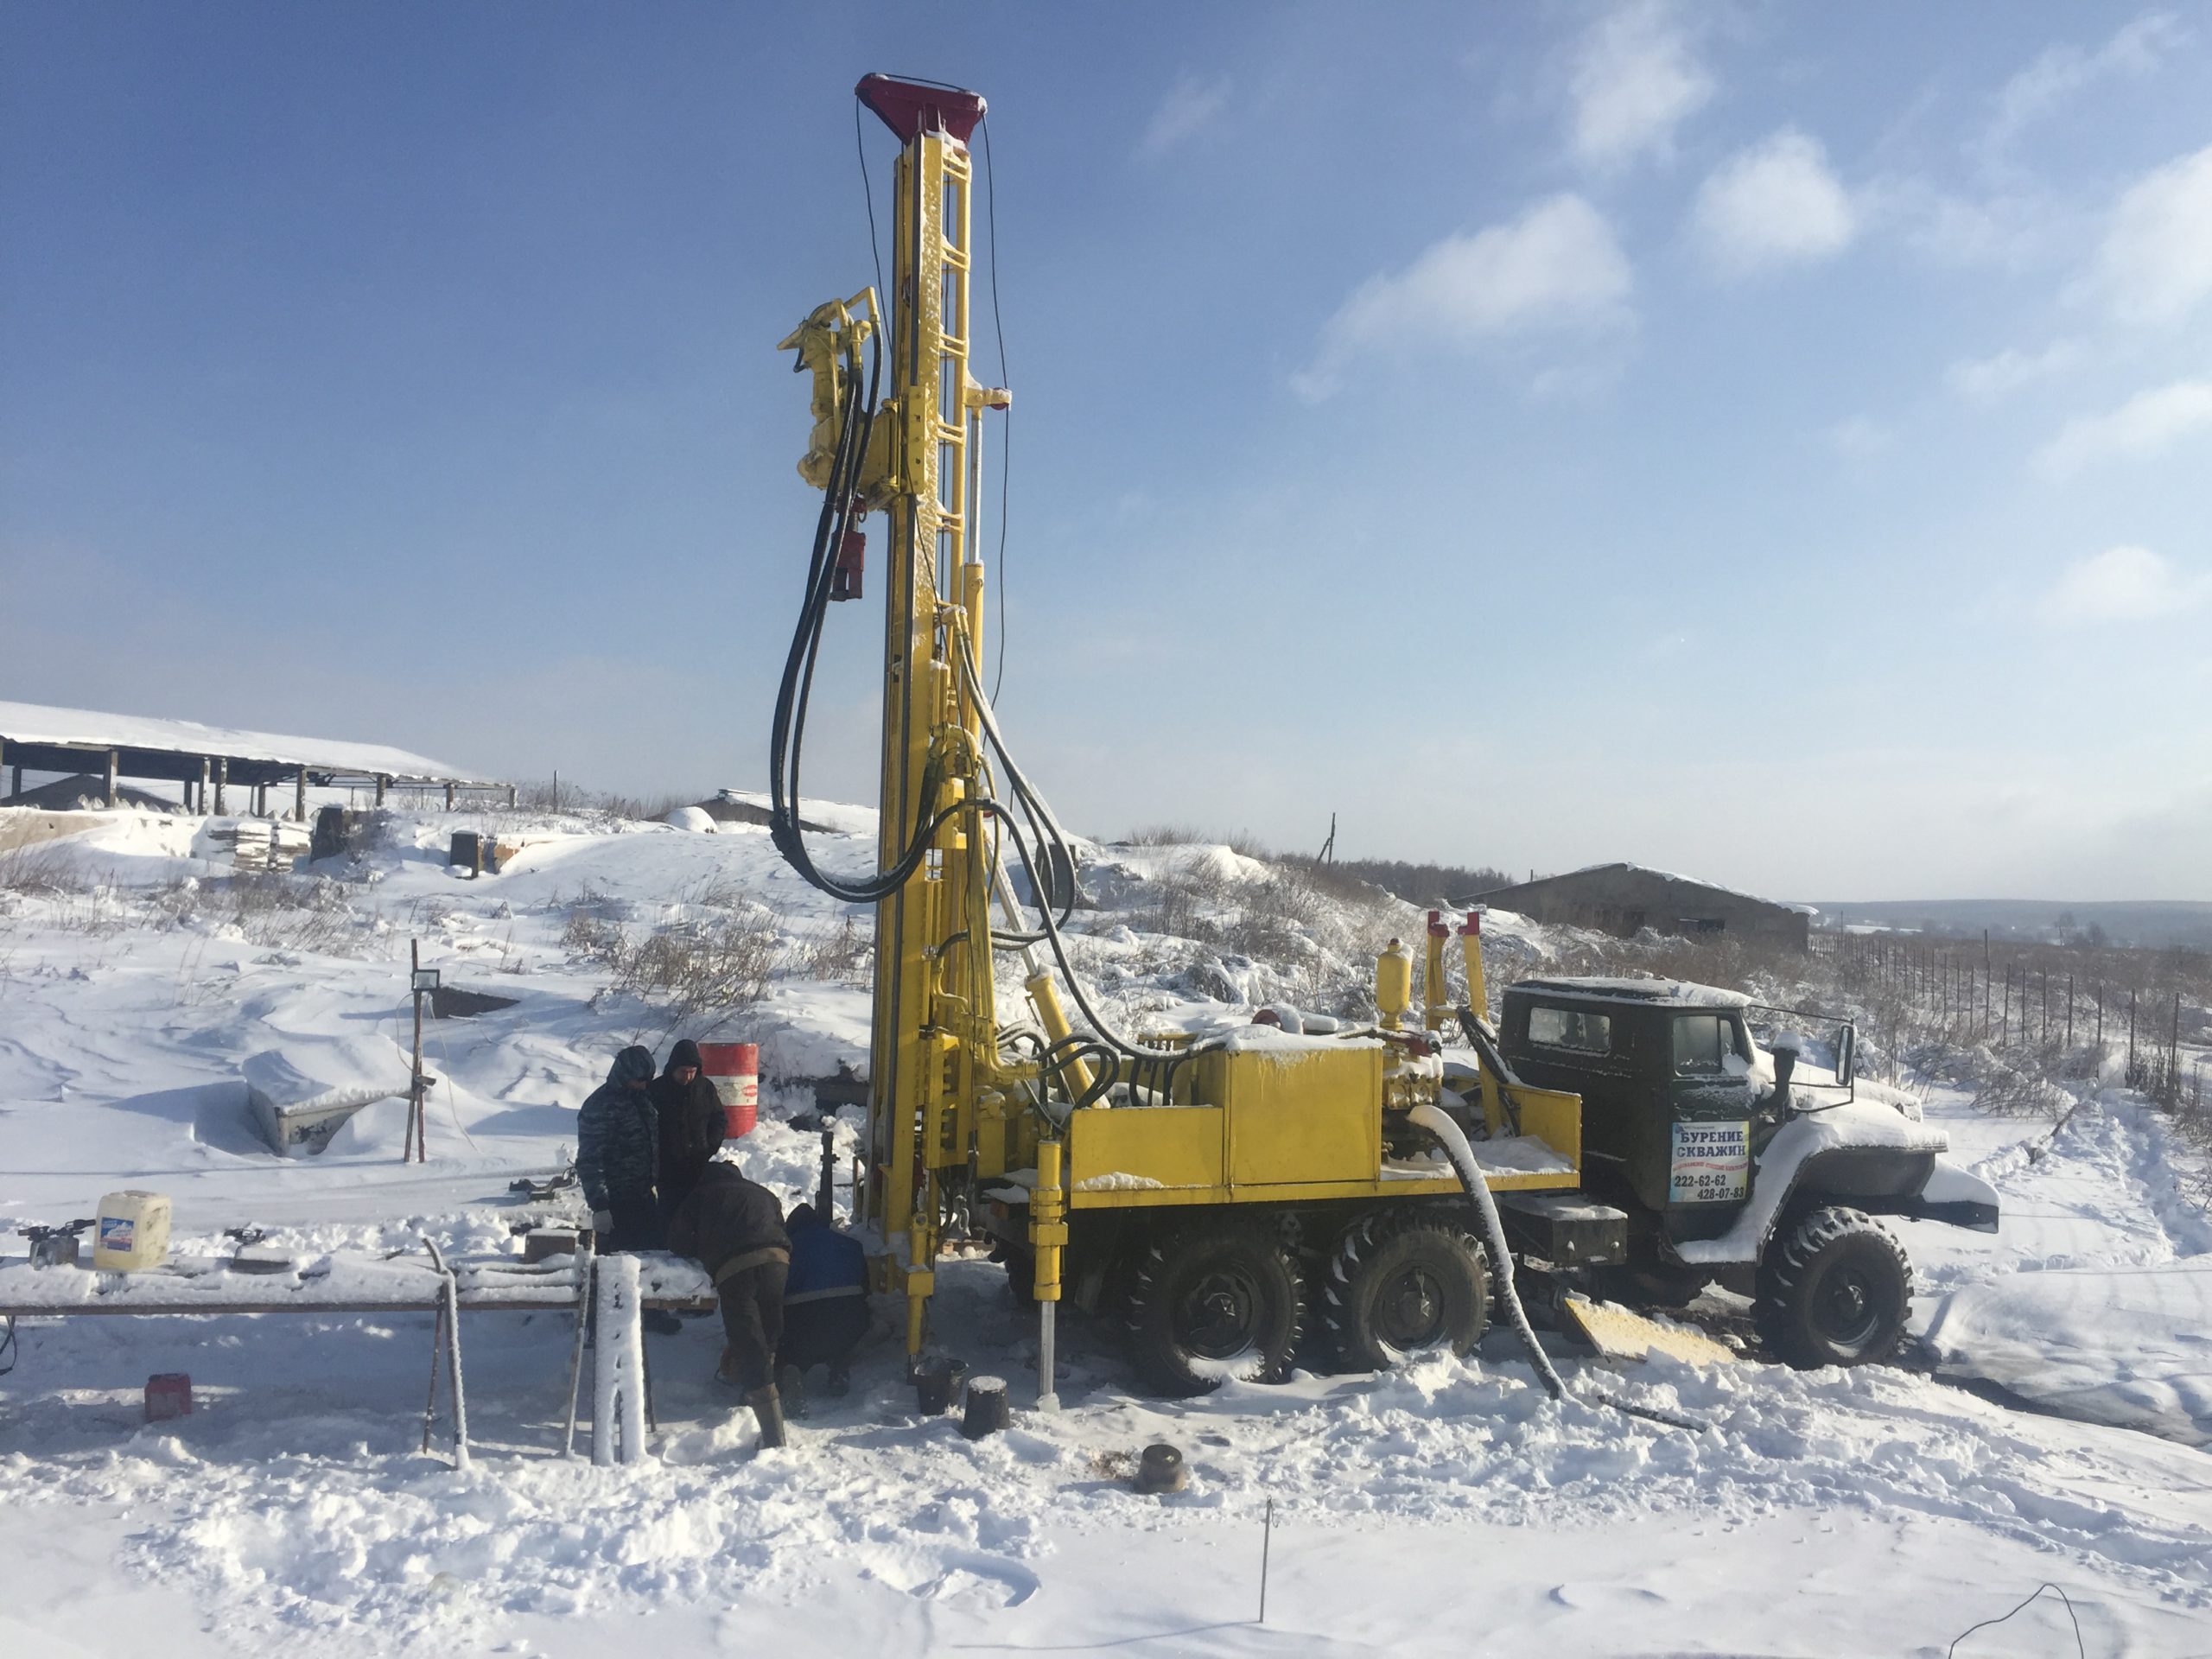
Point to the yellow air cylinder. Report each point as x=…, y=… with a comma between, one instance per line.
x=1470, y=943
x=1394, y=984
x=1432, y=973
x=1048, y=1227
x=1044, y=996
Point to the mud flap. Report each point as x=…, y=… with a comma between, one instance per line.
x=1622, y=1338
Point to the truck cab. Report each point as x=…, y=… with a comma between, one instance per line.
x=1737, y=1166
x=1671, y=1086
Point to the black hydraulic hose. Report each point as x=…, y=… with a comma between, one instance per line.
x=788, y=734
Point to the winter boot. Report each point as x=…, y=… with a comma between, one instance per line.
x=768, y=1412
x=791, y=1388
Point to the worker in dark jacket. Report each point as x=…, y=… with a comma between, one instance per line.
x=618, y=1155
x=691, y=1125
x=825, y=1302
x=734, y=1228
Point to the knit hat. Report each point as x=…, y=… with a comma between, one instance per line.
x=686, y=1052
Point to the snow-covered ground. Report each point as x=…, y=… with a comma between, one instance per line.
x=1451, y=1508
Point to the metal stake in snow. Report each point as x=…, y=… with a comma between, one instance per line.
x=618, y=1420
x=1267, y=1540
x=449, y=1330
x=584, y=1260
x=420, y=982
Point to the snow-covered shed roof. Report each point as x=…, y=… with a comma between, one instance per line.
x=1626, y=869
x=76, y=739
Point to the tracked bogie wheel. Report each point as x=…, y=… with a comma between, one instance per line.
x=1834, y=1290
x=1400, y=1286
x=1212, y=1301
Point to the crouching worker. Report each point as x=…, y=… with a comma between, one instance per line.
x=825, y=1303
x=734, y=1228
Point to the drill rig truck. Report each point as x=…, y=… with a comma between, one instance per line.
x=1220, y=1190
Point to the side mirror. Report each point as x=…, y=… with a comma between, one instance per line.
x=1846, y=1055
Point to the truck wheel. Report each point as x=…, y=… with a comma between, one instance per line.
x=1834, y=1292
x=1212, y=1302
x=1402, y=1287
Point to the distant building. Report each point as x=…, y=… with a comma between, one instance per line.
x=1626, y=899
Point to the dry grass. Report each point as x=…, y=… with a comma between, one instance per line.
x=541, y=797
x=43, y=868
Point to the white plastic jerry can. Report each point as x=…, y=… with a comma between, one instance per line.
x=132, y=1231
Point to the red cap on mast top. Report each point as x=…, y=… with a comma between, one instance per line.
x=909, y=107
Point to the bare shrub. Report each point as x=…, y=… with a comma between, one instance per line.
x=283, y=912
x=698, y=978
x=1163, y=834
x=708, y=961
x=1424, y=884
x=843, y=955
x=43, y=867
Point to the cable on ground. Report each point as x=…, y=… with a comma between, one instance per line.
x=2080, y=1647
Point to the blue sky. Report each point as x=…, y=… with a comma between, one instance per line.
x=1773, y=441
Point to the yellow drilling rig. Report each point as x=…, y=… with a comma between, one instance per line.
x=1217, y=1190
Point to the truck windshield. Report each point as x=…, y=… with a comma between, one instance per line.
x=1574, y=1029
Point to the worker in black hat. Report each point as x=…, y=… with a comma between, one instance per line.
x=692, y=1123
x=734, y=1228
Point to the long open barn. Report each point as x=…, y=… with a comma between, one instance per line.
x=209, y=760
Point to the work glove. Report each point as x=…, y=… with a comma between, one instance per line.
x=602, y=1221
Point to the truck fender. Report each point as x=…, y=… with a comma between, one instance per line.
x=1956, y=1196
x=1872, y=1158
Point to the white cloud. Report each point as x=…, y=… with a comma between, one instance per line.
x=1556, y=268
x=1775, y=203
x=2147, y=424
x=2155, y=263
x=1990, y=380
x=2123, y=584
x=2008, y=230
x=2062, y=71
x=1191, y=105
x=1635, y=80
x=1860, y=439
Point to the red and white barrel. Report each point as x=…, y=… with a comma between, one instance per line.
x=734, y=1070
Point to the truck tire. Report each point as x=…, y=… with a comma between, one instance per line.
x=1212, y=1301
x=1402, y=1287
x=1833, y=1291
